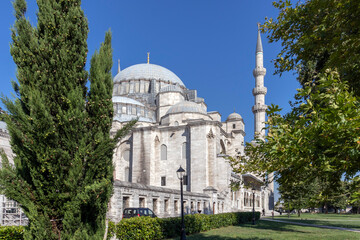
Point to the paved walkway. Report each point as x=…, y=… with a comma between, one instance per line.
x=312, y=225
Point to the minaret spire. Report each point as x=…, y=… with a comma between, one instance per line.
x=258, y=43
x=119, y=66
x=259, y=91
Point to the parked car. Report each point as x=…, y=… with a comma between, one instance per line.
x=137, y=212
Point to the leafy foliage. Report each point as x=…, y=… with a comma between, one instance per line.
x=60, y=132
x=139, y=228
x=354, y=186
x=163, y=228
x=317, y=35
x=11, y=232
x=318, y=142
x=319, y=138
x=298, y=194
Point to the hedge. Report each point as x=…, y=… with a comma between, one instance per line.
x=139, y=228
x=162, y=228
x=155, y=228
x=11, y=232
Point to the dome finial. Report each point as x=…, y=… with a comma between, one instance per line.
x=148, y=58
x=119, y=65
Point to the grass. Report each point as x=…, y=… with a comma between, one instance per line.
x=335, y=220
x=272, y=230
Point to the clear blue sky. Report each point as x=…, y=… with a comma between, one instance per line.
x=209, y=44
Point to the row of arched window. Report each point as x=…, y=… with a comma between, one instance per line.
x=164, y=150
x=248, y=200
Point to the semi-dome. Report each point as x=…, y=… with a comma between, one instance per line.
x=186, y=107
x=126, y=100
x=234, y=116
x=147, y=71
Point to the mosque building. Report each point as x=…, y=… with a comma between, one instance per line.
x=175, y=129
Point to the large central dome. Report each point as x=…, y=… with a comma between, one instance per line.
x=147, y=71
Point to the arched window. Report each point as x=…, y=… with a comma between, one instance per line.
x=222, y=145
x=127, y=171
x=126, y=155
x=183, y=151
x=163, y=152
x=176, y=123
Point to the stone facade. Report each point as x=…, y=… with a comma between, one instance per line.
x=10, y=212
x=181, y=132
x=175, y=129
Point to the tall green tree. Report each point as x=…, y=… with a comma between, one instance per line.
x=60, y=131
x=298, y=194
x=320, y=137
x=317, y=35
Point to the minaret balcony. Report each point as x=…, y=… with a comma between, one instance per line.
x=259, y=90
x=259, y=108
x=259, y=71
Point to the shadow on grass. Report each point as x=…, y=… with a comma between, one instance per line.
x=322, y=216
x=246, y=230
x=345, y=224
x=218, y=237
x=275, y=226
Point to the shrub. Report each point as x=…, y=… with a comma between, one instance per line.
x=170, y=226
x=11, y=232
x=197, y=223
x=111, y=230
x=160, y=228
x=139, y=228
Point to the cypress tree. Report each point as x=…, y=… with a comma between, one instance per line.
x=60, y=131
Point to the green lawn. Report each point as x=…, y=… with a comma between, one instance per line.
x=272, y=230
x=336, y=220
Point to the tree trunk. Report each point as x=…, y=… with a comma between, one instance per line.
x=326, y=208
x=289, y=210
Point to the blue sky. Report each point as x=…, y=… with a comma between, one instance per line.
x=209, y=44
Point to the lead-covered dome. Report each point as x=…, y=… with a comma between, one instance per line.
x=186, y=107
x=234, y=116
x=147, y=71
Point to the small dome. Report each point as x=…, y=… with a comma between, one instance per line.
x=171, y=88
x=147, y=71
x=126, y=100
x=234, y=116
x=186, y=107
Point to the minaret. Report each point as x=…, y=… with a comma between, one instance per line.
x=259, y=108
x=259, y=91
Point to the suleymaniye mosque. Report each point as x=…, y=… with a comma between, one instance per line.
x=174, y=129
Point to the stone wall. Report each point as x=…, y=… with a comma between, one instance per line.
x=165, y=202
